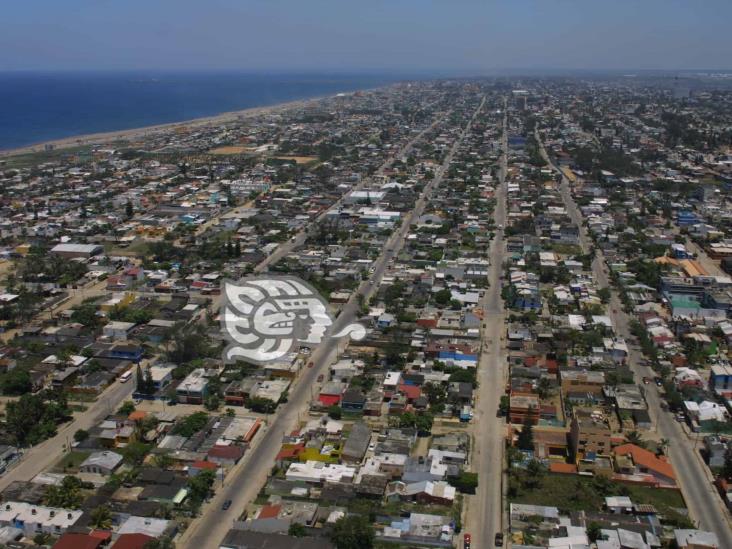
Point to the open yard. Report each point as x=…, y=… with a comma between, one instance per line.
x=574, y=493
x=70, y=462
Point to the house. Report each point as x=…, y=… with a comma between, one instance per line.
x=37, y=519
x=193, y=389
x=77, y=541
x=70, y=251
x=720, y=380
x=226, y=455
x=102, y=463
x=148, y=526
x=131, y=541
x=696, y=539
x=632, y=461
x=118, y=331
x=357, y=443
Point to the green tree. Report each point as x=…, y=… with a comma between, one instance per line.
x=67, y=494
x=443, y=297
x=526, y=436
x=465, y=482
x=129, y=210
x=126, y=408
x=16, y=382
x=353, y=532
x=81, y=435
x=594, y=531
x=101, y=517
x=335, y=412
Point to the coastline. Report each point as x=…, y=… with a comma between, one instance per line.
x=103, y=138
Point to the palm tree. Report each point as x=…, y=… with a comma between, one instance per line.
x=101, y=517
x=634, y=437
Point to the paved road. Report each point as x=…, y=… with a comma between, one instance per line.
x=701, y=497
x=43, y=456
x=244, y=484
x=485, y=509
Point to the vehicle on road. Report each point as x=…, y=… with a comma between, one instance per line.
x=466, y=541
x=499, y=539
x=124, y=378
x=320, y=378
x=311, y=364
x=658, y=381
x=646, y=381
x=226, y=505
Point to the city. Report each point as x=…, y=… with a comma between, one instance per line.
x=543, y=268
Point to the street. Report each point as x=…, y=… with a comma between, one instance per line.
x=483, y=516
x=245, y=483
x=702, y=499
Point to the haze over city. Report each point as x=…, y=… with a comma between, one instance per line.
x=465, y=37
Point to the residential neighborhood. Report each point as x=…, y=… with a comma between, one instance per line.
x=540, y=271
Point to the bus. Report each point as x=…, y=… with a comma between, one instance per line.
x=124, y=378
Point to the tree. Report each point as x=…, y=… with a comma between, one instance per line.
x=101, y=517
x=634, y=437
x=335, y=412
x=163, y=461
x=67, y=494
x=81, y=435
x=353, y=532
x=727, y=467
x=443, y=297
x=16, y=382
x=526, y=436
x=465, y=482
x=199, y=488
x=594, y=531
x=297, y=530
x=126, y=408
x=534, y=473
x=129, y=210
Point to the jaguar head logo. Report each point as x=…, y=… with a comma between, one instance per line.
x=266, y=318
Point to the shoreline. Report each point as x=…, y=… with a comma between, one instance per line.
x=102, y=138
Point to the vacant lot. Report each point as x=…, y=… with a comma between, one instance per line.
x=232, y=149
x=574, y=493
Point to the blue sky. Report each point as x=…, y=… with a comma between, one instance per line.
x=463, y=36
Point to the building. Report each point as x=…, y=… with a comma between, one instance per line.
x=720, y=380
x=37, y=519
x=635, y=463
x=193, y=389
x=119, y=331
x=582, y=381
x=589, y=435
x=71, y=251
x=101, y=463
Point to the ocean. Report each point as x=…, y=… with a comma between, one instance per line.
x=38, y=107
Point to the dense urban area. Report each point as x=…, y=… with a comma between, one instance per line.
x=541, y=266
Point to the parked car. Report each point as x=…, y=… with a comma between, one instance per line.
x=499, y=539
x=226, y=505
x=466, y=541
x=658, y=381
x=646, y=381
x=320, y=378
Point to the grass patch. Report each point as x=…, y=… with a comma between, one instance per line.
x=575, y=493
x=71, y=461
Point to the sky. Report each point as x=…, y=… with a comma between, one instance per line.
x=457, y=36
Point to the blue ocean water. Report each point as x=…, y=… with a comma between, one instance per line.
x=38, y=107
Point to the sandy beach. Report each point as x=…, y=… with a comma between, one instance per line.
x=146, y=131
